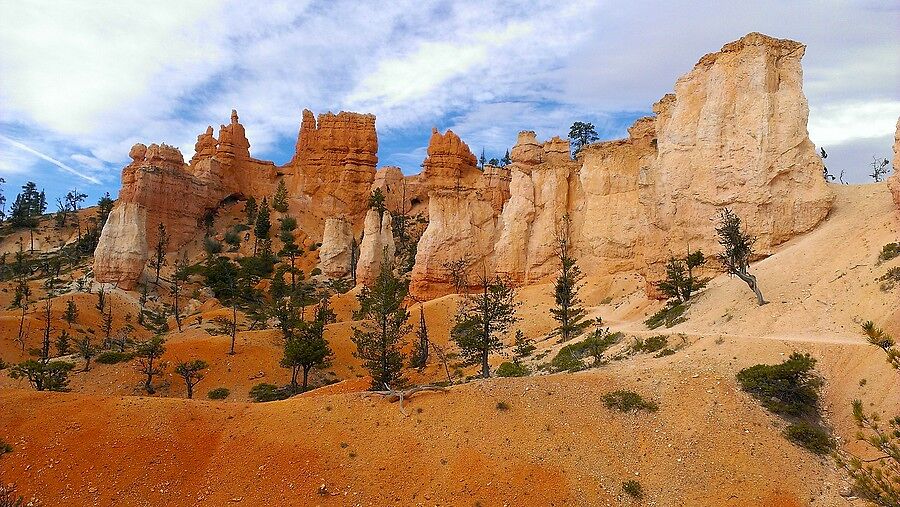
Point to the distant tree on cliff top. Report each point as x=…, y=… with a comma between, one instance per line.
x=506, y=160
x=279, y=200
x=2, y=200
x=879, y=169
x=738, y=250
x=376, y=201
x=581, y=135
x=104, y=208
x=28, y=208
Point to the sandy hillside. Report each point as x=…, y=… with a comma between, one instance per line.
x=556, y=444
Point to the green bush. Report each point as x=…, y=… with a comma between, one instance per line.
x=810, y=437
x=633, y=488
x=211, y=246
x=665, y=352
x=652, y=344
x=889, y=251
x=232, y=238
x=502, y=406
x=892, y=275
x=670, y=315
x=4, y=447
x=219, y=393
x=268, y=392
x=628, y=401
x=114, y=357
x=315, y=272
x=790, y=388
x=511, y=369
x=567, y=359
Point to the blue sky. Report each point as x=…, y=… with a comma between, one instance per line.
x=80, y=82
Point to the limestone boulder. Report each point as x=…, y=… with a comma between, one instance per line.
x=121, y=254
x=377, y=247
x=335, y=254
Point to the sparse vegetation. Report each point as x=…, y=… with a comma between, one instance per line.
x=889, y=251
x=633, y=489
x=670, y=315
x=482, y=320
x=192, y=373
x=502, y=406
x=628, y=401
x=680, y=282
x=148, y=354
x=737, y=252
x=114, y=357
x=791, y=389
x=44, y=375
x=650, y=345
x=264, y=392
x=219, y=393
x=511, y=369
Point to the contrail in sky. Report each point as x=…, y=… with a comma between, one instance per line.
x=52, y=160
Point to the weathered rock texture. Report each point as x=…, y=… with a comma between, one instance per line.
x=732, y=135
x=333, y=168
x=335, y=254
x=894, y=180
x=376, y=248
x=158, y=187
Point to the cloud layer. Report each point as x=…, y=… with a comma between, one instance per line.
x=80, y=82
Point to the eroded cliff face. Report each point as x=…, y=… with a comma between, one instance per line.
x=333, y=168
x=159, y=188
x=894, y=180
x=732, y=135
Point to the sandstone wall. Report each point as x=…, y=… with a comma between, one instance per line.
x=894, y=180
x=733, y=134
x=335, y=254
x=333, y=168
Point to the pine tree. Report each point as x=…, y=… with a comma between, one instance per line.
x=569, y=312
x=192, y=373
x=148, y=354
x=178, y=278
x=104, y=208
x=376, y=201
x=482, y=321
x=582, y=134
x=250, y=209
x=263, y=224
x=279, y=200
x=71, y=313
x=28, y=208
x=738, y=250
x=506, y=160
x=159, y=250
x=379, y=340
x=87, y=351
x=422, y=345
x=482, y=159
x=305, y=346
x=62, y=343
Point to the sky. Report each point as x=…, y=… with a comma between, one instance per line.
x=81, y=82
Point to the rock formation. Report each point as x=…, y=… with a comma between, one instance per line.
x=732, y=135
x=335, y=254
x=158, y=187
x=894, y=180
x=377, y=247
x=333, y=168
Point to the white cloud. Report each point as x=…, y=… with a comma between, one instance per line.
x=841, y=122
x=43, y=156
x=92, y=78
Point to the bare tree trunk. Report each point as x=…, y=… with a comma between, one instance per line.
x=751, y=281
